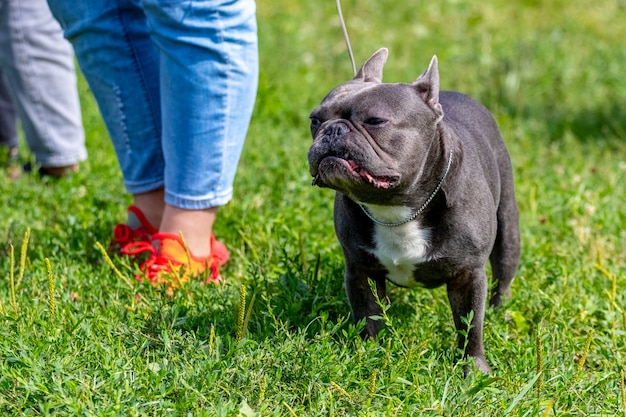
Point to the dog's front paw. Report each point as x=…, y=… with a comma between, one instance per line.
x=480, y=364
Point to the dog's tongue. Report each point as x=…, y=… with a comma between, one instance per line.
x=376, y=182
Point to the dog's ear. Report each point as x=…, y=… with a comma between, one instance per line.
x=427, y=86
x=372, y=70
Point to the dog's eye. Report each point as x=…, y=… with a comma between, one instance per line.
x=375, y=121
x=315, y=122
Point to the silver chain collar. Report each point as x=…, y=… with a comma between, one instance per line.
x=419, y=211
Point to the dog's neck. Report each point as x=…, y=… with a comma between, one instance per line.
x=384, y=211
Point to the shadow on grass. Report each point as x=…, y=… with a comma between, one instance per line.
x=297, y=295
x=289, y=298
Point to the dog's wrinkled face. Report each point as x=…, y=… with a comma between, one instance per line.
x=369, y=138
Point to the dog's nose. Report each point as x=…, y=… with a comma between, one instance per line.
x=337, y=130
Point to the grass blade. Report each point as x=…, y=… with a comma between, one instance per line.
x=521, y=394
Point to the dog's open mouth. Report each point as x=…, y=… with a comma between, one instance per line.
x=333, y=163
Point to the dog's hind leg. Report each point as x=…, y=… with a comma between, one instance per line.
x=505, y=254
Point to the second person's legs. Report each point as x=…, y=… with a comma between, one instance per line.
x=8, y=118
x=39, y=68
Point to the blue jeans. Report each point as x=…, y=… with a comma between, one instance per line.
x=175, y=81
x=38, y=67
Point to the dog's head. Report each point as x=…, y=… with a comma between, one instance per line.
x=369, y=137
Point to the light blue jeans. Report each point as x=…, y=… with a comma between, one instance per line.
x=176, y=82
x=38, y=67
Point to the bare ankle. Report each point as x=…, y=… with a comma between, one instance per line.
x=195, y=225
x=152, y=205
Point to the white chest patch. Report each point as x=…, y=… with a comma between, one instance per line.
x=399, y=248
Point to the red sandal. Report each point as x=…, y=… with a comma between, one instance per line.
x=173, y=264
x=138, y=229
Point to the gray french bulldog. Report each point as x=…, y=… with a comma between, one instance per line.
x=425, y=194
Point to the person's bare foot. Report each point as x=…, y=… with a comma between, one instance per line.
x=195, y=225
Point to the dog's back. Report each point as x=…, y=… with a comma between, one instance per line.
x=473, y=122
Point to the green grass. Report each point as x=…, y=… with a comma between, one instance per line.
x=81, y=341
